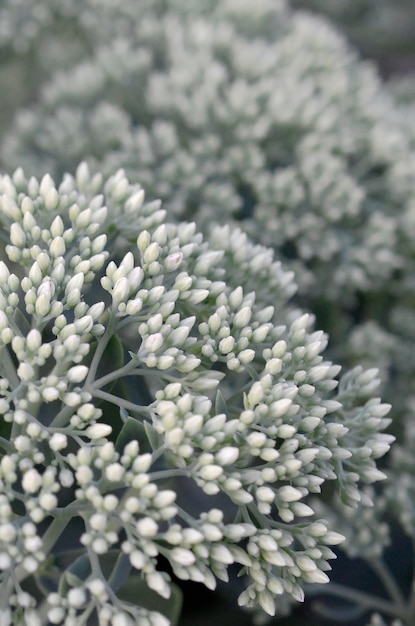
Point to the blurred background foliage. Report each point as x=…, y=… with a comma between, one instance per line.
x=383, y=30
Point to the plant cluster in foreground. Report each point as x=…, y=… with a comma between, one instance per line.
x=135, y=367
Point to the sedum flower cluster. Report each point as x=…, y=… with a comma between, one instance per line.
x=246, y=119
x=257, y=114
x=136, y=367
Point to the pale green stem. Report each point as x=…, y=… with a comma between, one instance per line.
x=125, y=404
x=5, y=591
x=49, y=539
x=62, y=418
x=166, y=474
x=117, y=374
x=390, y=584
x=102, y=344
x=363, y=599
x=55, y=530
x=7, y=366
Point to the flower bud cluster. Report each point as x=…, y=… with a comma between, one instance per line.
x=218, y=153
x=81, y=600
x=115, y=409
x=274, y=131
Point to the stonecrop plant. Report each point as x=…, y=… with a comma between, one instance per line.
x=135, y=368
x=250, y=114
x=228, y=111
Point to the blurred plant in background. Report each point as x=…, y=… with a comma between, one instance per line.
x=381, y=29
x=260, y=116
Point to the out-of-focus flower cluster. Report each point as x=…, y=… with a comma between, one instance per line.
x=379, y=27
x=236, y=115
x=134, y=364
x=258, y=114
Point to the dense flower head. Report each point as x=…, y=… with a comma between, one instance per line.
x=261, y=116
x=135, y=366
x=264, y=116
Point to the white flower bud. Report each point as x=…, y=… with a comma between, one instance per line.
x=135, y=202
x=246, y=356
x=173, y=261
x=222, y=554
x=121, y=290
x=56, y=615
x=198, y=295
x=151, y=253
x=58, y=441
x=17, y=235
x=46, y=184
x=135, y=278
x=227, y=344
x=77, y=373
x=265, y=494
x=4, y=273
x=97, y=431
x=332, y=538
x=51, y=199
x=157, y=583
x=42, y=305
x=25, y=372
x=279, y=349
x=316, y=576
x=134, y=306
x=48, y=501
x=76, y=282
x=34, y=340
x=227, y=455
x=286, y=431
x=84, y=475
x=210, y=472
x=242, y=317
x=57, y=247
x=76, y=597
x=152, y=343
x=289, y=494
x=57, y=227
x=137, y=559
x=114, y=472
x=182, y=556
x=31, y=481
x=147, y=527
x=10, y=208
x=84, y=219
x=256, y=394
x=372, y=475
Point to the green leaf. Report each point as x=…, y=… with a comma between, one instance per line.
x=111, y=360
x=22, y=322
x=132, y=430
x=120, y=572
x=135, y=430
x=152, y=436
x=138, y=593
x=75, y=574
x=220, y=404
